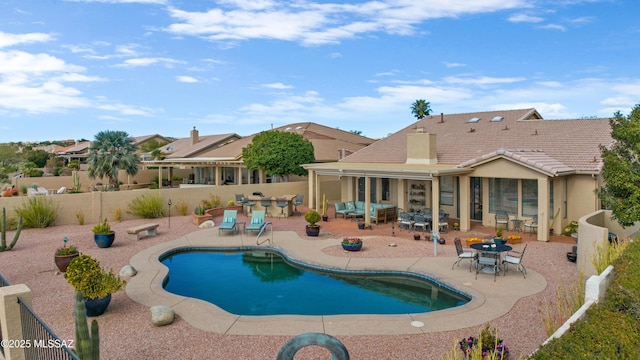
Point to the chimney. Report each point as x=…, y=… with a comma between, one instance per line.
x=421, y=148
x=194, y=136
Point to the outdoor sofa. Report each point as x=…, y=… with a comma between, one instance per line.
x=379, y=212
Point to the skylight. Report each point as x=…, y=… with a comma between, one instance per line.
x=473, y=120
x=298, y=127
x=287, y=129
x=497, y=118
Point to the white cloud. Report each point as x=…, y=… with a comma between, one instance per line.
x=126, y=109
x=453, y=64
x=554, y=27
x=315, y=23
x=279, y=86
x=139, y=62
x=7, y=39
x=22, y=62
x=186, y=79
x=482, y=81
x=158, y=2
x=518, y=18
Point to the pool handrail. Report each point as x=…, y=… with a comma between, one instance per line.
x=262, y=230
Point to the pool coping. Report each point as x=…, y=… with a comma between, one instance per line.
x=490, y=299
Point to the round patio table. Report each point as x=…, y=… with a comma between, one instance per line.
x=492, y=249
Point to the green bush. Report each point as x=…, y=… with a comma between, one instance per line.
x=147, y=206
x=37, y=212
x=87, y=276
x=609, y=330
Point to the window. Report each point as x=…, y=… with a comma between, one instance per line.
x=503, y=195
x=361, y=188
x=386, y=189
x=446, y=190
x=530, y=197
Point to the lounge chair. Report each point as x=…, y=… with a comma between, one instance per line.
x=229, y=221
x=257, y=220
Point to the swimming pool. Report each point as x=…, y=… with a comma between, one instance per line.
x=259, y=282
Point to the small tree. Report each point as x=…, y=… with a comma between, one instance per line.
x=421, y=108
x=621, y=168
x=278, y=153
x=110, y=152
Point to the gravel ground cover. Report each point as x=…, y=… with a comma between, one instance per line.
x=126, y=331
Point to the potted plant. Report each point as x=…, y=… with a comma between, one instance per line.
x=416, y=236
x=498, y=238
x=352, y=243
x=64, y=255
x=96, y=285
x=200, y=213
x=103, y=235
x=312, y=228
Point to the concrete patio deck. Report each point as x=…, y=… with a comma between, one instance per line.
x=490, y=299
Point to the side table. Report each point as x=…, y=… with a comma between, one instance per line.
x=517, y=224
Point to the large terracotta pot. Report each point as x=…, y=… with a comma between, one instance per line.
x=96, y=307
x=62, y=262
x=104, y=240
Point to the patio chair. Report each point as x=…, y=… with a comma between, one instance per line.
x=443, y=224
x=266, y=203
x=463, y=255
x=515, y=258
x=282, y=203
x=241, y=200
x=297, y=201
x=487, y=260
x=257, y=221
x=533, y=225
x=420, y=221
x=502, y=219
x=406, y=221
x=229, y=221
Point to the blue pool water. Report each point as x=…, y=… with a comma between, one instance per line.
x=259, y=282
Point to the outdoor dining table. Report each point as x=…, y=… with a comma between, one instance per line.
x=492, y=249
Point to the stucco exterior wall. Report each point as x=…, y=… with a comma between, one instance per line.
x=98, y=204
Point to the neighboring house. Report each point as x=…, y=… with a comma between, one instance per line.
x=78, y=151
x=472, y=165
x=217, y=159
x=140, y=141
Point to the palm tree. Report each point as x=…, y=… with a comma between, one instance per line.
x=110, y=152
x=421, y=108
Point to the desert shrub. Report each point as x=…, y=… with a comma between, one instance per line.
x=147, y=206
x=609, y=329
x=117, y=214
x=80, y=217
x=37, y=212
x=182, y=207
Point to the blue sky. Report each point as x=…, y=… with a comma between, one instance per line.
x=69, y=69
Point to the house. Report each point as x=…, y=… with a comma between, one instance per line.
x=473, y=165
x=217, y=159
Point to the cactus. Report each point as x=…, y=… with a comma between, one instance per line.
x=324, y=204
x=88, y=346
x=76, y=181
x=3, y=234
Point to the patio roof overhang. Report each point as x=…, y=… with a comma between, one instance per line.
x=187, y=162
x=386, y=170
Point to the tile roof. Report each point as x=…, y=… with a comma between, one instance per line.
x=182, y=148
x=522, y=135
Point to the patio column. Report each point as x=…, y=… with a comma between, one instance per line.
x=435, y=203
x=312, y=189
x=159, y=177
x=465, y=202
x=543, y=209
x=239, y=176
x=217, y=175
x=367, y=201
